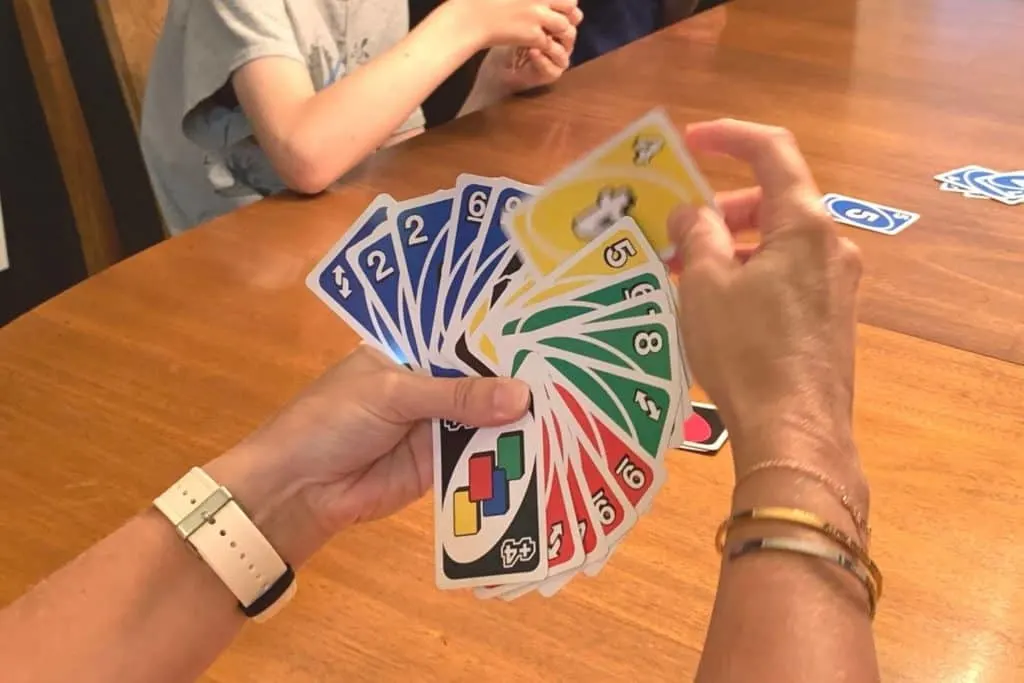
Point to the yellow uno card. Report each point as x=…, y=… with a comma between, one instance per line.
x=644, y=172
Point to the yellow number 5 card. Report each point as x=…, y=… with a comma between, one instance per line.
x=644, y=172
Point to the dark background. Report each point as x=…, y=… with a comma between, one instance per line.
x=42, y=244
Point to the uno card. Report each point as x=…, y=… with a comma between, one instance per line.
x=610, y=507
x=472, y=196
x=638, y=475
x=600, y=297
x=489, y=512
x=644, y=173
x=490, y=257
x=621, y=250
x=643, y=407
x=704, y=431
x=978, y=181
x=422, y=236
x=644, y=344
x=375, y=263
x=564, y=543
x=591, y=533
x=334, y=282
x=860, y=213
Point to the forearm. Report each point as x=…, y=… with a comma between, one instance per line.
x=338, y=127
x=140, y=605
x=780, y=617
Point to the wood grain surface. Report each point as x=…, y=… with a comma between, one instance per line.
x=881, y=95
x=116, y=387
x=110, y=391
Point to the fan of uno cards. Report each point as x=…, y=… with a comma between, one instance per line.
x=563, y=287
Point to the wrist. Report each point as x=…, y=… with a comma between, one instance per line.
x=273, y=497
x=489, y=82
x=800, y=468
x=830, y=451
x=817, y=441
x=457, y=28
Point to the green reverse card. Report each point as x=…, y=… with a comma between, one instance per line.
x=638, y=408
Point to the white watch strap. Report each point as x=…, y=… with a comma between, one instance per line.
x=213, y=523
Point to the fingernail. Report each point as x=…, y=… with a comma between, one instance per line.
x=511, y=397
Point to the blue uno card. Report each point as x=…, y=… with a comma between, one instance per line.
x=473, y=195
x=866, y=215
x=376, y=265
x=495, y=242
x=1012, y=182
x=335, y=283
x=977, y=180
x=422, y=236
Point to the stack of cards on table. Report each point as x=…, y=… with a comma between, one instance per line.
x=978, y=182
x=563, y=287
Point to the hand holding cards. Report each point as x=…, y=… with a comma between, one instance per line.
x=574, y=300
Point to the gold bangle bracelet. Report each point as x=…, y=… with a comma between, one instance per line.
x=808, y=548
x=840, y=491
x=807, y=520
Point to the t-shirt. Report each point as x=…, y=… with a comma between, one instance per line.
x=199, y=147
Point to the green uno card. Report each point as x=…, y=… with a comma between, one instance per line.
x=642, y=409
x=578, y=304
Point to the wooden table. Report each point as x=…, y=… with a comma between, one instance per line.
x=110, y=391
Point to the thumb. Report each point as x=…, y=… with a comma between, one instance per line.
x=476, y=401
x=700, y=235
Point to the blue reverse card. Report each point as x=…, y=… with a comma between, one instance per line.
x=333, y=280
x=868, y=215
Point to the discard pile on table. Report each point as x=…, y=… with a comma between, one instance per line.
x=563, y=287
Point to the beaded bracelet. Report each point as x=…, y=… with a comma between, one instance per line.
x=859, y=518
x=806, y=547
x=807, y=520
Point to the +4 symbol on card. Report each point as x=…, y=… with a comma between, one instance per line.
x=487, y=494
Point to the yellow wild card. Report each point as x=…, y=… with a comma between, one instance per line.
x=642, y=173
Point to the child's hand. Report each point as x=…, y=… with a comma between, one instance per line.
x=523, y=68
x=522, y=23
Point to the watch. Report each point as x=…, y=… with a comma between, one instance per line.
x=215, y=526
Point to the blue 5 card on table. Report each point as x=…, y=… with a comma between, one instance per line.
x=423, y=235
x=334, y=281
x=866, y=215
